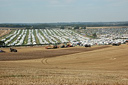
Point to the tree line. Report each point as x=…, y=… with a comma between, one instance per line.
x=62, y=25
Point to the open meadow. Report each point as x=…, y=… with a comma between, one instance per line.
x=98, y=65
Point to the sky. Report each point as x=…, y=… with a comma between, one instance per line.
x=54, y=11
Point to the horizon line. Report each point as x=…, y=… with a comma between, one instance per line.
x=63, y=22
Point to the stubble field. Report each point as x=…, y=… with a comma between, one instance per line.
x=98, y=65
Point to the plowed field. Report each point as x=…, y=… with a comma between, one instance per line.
x=40, y=52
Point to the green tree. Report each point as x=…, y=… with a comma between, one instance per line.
x=94, y=35
x=77, y=27
x=84, y=28
x=62, y=27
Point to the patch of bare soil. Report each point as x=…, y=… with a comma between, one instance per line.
x=36, y=53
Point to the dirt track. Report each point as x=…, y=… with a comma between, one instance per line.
x=44, y=53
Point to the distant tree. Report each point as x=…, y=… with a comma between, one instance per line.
x=84, y=28
x=62, y=27
x=77, y=27
x=28, y=27
x=94, y=35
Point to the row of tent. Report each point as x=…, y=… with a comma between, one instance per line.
x=53, y=36
x=108, y=32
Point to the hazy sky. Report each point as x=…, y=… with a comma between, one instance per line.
x=41, y=11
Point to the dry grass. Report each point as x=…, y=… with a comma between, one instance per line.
x=106, y=66
x=4, y=32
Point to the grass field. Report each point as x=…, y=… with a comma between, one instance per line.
x=98, y=65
